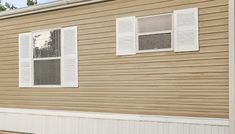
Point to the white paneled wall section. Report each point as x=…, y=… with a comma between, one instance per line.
x=63, y=122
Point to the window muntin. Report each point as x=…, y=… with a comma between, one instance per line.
x=47, y=57
x=155, y=33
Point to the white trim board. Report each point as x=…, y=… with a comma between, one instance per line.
x=69, y=122
x=114, y=116
x=60, y=4
x=231, y=68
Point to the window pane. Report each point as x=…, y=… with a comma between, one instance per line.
x=155, y=23
x=155, y=41
x=47, y=72
x=46, y=44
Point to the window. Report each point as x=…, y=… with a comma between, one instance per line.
x=155, y=33
x=177, y=31
x=47, y=57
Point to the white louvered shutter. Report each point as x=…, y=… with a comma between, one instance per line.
x=186, y=30
x=25, y=60
x=126, y=36
x=69, y=57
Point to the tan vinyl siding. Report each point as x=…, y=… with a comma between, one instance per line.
x=159, y=83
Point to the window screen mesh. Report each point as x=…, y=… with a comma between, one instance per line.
x=155, y=23
x=47, y=72
x=155, y=41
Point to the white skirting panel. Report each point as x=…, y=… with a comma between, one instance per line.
x=64, y=122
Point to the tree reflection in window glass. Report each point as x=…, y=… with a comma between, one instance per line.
x=46, y=44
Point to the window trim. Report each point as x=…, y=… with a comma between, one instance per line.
x=157, y=32
x=43, y=59
x=47, y=86
x=49, y=58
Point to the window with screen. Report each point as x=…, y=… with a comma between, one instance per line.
x=47, y=57
x=155, y=33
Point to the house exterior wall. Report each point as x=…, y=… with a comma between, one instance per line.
x=191, y=84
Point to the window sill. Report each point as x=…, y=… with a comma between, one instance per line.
x=155, y=50
x=47, y=86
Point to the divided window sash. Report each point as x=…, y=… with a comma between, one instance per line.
x=48, y=58
x=177, y=31
x=155, y=33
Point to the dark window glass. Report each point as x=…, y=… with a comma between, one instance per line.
x=155, y=41
x=47, y=72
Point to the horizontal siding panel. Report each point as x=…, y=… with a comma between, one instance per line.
x=213, y=16
x=101, y=90
x=97, y=104
x=161, y=64
x=141, y=99
x=152, y=95
x=183, y=82
x=168, y=56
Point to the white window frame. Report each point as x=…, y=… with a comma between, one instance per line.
x=157, y=32
x=48, y=58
